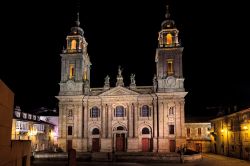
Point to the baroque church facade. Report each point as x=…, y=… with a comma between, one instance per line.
x=120, y=118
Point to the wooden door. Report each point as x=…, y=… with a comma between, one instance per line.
x=172, y=145
x=69, y=145
x=198, y=147
x=145, y=144
x=120, y=142
x=95, y=145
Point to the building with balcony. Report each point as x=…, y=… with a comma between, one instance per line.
x=231, y=134
x=27, y=126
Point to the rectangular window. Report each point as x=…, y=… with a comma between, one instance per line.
x=170, y=70
x=71, y=71
x=246, y=136
x=171, y=129
x=199, y=131
x=188, y=132
x=70, y=129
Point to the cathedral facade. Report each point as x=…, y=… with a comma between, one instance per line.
x=129, y=119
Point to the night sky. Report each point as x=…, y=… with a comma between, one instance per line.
x=215, y=39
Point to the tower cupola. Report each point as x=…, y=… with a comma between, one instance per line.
x=75, y=40
x=168, y=36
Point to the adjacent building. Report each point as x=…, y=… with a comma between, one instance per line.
x=11, y=152
x=198, y=136
x=231, y=134
x=128, y=118
x=27, y=126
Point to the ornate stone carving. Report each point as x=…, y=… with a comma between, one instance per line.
x=119, y=77
x=106, y=83
x=132, y=81
x=171, y=82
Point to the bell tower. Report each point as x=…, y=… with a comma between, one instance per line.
x=168, y=84
x=75, y=63
x=169, y=58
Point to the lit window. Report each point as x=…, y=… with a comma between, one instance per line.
x=119, y=111
x=171, y=129
x=73, y=44
x=145, y=111
x=94, y=112
x=85, y=74
x=170, y=70
x=169, y=39
x=71, y=71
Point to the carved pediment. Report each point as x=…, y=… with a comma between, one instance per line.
x=119, y=91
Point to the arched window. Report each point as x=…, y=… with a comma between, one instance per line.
x=145, y=130
x=95, y=131
x=119, y=112
x=169, y=39
x=94, y=112
x=73, y=44
x=145, y=111
x=120, y=128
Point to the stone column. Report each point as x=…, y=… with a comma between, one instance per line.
x=85, y=117
x=133, y=115
x=75, y=128
x=64, y=126
x=60, y=127
x=78, y=70
x=182, y=103
x=155, y=118
x=103, y=110
x=136, y=110
x=63, y=74
x=178, y=118
x=161, y=122
x=109, y=119
x=130, y=120
x=67, y=69
x=80, y=120
x=106, y=119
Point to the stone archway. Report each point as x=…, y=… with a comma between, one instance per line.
x=146, y=140
x=120, y=138
x=95, y=140
x=94, y=143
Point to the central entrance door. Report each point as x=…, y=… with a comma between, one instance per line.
x=145, y=144
x=69, y=145
x=172, y=145
x=95, y=145
x=120, y=142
